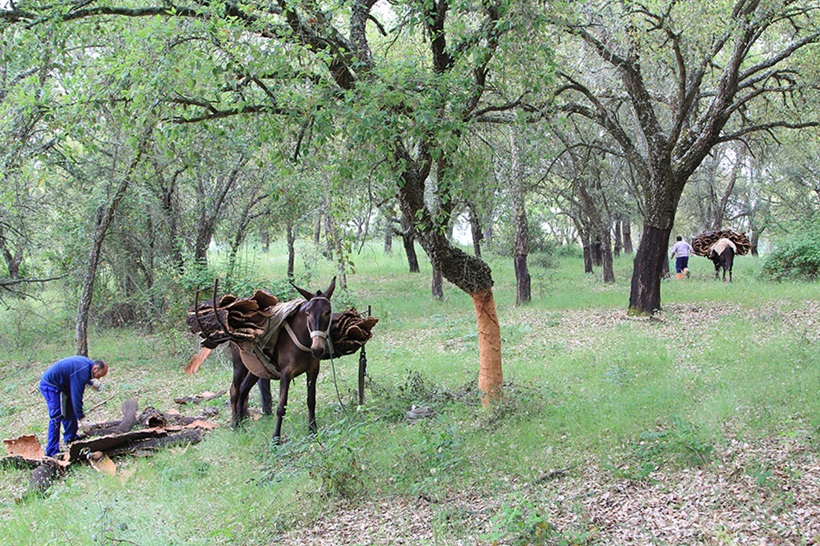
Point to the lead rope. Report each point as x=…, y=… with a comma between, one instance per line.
x=335, y=383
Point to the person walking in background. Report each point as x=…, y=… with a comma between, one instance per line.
x=63, y=385
x=681, y=252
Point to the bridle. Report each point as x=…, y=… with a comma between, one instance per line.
x=324, y=335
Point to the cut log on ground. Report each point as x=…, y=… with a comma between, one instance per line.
x=129, y=420
x=703, y=242
x=147, y=445
x=111, y=439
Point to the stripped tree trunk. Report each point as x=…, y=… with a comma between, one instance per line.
x=468, y=273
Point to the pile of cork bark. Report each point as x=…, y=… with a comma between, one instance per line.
x=229, y=318
x=703, y=242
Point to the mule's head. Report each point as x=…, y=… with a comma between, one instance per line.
x=318, y=311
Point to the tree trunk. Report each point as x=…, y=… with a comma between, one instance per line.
x=408, y=239
x=521, y=241
x=264, y=236
x=291, y=237
x=330, y=236
x=437, y=284
x=317, y=233
x=468, y=273
x=627, y=235
x=619, y=241
x=388, y=236
x=206, y=223
x=645, y=291
x=490, y=376
x=13, y=262
x=606, y=259
x=587, y=248
x=754, y=239
x=476, y=232
x=596, y=248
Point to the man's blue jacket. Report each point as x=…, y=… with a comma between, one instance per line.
x=70, y=376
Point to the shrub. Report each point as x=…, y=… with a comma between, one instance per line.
x=797, y=257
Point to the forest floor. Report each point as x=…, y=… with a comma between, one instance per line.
x=767, y=492
x=758, y=487
x=749, y=490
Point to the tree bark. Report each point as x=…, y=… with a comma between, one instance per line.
x=408, y=239
x=437, y=283
x=468, y=273
x=626, y=227
x=476, y=232
x=291, y=238
x=388, y=235
x=645, y=290
x=754, y=239
x=521, y=242
x=587, y=250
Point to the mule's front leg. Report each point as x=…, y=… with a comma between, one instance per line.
x=284, y=385
x=311, y=400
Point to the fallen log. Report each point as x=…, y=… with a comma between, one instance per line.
x=105, y=443
x=191, y=436
x=129, y=420
x=43, y=476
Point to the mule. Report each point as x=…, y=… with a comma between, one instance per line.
x=723, y=260
x=297, y=350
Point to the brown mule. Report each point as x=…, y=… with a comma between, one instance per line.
x=297, y=350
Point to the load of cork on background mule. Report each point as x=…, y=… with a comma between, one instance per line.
x=721, y=247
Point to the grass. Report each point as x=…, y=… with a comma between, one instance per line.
x=586, y=386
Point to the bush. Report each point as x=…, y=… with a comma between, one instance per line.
x=797, y=257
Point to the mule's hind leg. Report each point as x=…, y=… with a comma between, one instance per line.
x=244, y=390
x=264, y=396
x=281, y=409
x=236, y=401
x=241, y=385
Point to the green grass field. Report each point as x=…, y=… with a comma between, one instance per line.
x=721, y=387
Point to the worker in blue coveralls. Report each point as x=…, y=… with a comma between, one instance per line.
x=63, y=385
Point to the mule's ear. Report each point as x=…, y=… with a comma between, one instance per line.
x=329, y=292
x=307, y=295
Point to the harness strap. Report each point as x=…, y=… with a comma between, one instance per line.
x=293, y=338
